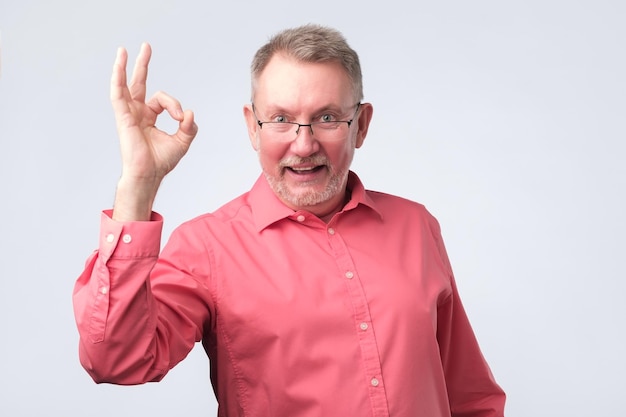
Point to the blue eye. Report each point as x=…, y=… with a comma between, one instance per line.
x=327, y=118
x=280, y=119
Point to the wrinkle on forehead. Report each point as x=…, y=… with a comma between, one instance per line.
x=303, y=87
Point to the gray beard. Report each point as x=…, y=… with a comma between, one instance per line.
x=308, y=198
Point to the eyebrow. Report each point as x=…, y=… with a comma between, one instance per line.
x=320, y=110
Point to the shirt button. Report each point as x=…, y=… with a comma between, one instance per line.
x=127, y=238
x=331, y=231
x=374, y=382
x=363, y=326
x=300, y=218
x=104, y=290
x=349, y=275
x=110, y=237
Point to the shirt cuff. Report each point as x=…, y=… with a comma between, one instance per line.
x=140, y=239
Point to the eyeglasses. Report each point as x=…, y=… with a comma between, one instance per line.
x=326, y=129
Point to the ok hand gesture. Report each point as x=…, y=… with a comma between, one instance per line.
x=148, y=153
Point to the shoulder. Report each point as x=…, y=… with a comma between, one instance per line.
x=390, y=204
x=389, y=199
x=408, y=215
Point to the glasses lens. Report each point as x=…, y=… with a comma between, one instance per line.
x=328, y=126
x=286, y=131
x=280, y=128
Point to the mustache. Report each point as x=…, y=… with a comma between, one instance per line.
x=296, y=160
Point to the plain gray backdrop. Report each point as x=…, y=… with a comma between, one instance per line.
x=505, y=118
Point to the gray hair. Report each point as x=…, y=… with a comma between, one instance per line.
x=311, y=43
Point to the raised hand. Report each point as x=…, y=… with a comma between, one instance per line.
x=148, y=153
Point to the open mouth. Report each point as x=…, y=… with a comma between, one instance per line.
x=305, y=171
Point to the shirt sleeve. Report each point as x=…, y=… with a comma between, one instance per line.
x=472, y=389
x=130, y=333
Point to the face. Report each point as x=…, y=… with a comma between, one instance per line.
x=305, y=171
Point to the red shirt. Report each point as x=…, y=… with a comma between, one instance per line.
x=357, y=317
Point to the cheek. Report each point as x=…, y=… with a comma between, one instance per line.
x=270, y=155
x=340, y=155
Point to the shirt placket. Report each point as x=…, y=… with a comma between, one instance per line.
x=363, y=324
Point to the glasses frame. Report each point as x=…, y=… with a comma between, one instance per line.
x=309, y=125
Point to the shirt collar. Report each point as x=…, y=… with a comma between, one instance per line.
x=268, y=209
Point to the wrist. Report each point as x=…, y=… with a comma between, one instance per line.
x=134, y=200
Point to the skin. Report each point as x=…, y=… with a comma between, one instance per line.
x=306, y=174
x=148, y=153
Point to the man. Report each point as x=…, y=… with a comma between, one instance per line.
x=311, y=295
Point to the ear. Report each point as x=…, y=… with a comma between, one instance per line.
x=363, y=122
x=253, y=126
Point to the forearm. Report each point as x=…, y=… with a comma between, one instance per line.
x=114, y=308
x=472, y=388
x=140, y=312
x=118, y=345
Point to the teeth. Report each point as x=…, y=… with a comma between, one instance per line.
x=302, y=169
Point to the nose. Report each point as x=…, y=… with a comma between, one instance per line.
x=305, y=143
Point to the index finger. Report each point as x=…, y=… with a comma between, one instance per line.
x=119, y=91
x=137, y=86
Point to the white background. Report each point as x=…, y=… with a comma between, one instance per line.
x=506, y=119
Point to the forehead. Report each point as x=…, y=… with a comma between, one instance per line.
x=289, y=83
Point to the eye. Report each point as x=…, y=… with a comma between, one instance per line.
x=280, y=119
x=327, y=118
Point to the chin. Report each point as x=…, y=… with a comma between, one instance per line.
x=307, y=198
x=307, y=195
